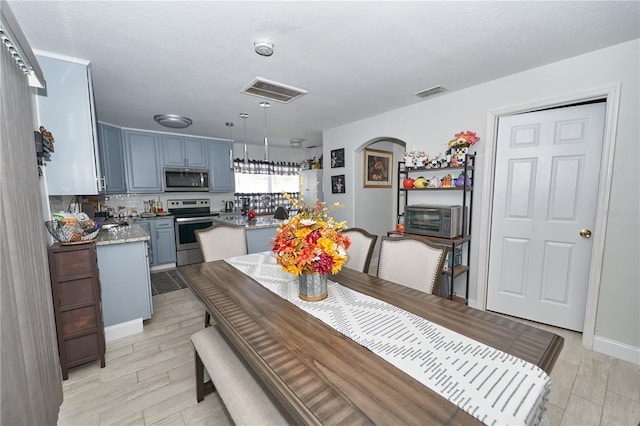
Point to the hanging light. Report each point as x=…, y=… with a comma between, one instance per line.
x=265, y=105
x=229, y=124
x=244, y=117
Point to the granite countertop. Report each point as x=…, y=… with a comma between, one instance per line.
x=118, y=234
x=259, y=222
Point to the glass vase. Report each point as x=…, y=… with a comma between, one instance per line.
x=313, y=286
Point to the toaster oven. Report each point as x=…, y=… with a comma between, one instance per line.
x=434, y=221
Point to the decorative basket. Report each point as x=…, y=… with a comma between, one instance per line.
x=78, y=233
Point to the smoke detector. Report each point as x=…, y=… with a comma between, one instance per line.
x=263, y=48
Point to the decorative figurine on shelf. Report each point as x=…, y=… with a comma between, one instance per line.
x=460, y=181
x=434, y=162
x=460, y=145
x=458, y=157
x=446, y=181
x=434, y=182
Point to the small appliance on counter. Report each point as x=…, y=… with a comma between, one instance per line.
x=245, y=205
x=228, y=206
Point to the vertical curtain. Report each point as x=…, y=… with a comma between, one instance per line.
x=31, y=379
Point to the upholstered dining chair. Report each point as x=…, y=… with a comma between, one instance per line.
x=221, y=241
x=361, y=250
x=218, y=242
x=412, y=261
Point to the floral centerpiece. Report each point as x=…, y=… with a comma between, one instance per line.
x=311, y=245
x=463, y=139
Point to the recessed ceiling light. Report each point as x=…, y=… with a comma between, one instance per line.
x=295, y=143
x=263, y=48
x=174, y=121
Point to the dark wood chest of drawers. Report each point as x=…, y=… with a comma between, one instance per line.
x=76, y=299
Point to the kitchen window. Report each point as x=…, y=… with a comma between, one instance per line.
x=256, y=176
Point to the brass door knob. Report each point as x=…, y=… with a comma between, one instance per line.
x=585, y=233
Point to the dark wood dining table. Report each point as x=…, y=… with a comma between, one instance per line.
x=322, y=377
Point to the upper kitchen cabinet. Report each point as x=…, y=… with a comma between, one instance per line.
x=142, y=156
x=221, y=177
x=180, y=151
x=67, y=111
x=112, y=159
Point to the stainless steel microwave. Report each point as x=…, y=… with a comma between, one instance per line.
x=178, y=179
x=434, y=221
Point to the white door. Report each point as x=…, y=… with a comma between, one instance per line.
x=545, y=192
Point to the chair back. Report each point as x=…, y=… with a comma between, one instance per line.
x=221, y=241
x=361, y=249
x=412, y=261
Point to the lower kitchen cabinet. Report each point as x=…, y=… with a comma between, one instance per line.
x=162, y=245
x=163, y=238
x=75, y=287
x=260, y=239
x=126, y=283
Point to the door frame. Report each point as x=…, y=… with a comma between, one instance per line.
x=611, y=94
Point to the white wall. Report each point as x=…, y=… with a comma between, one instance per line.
x=431, y=123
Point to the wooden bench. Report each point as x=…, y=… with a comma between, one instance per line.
x=247, y=402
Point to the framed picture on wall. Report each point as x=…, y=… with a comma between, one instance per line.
x=337, y=158
x=378, y=168
x=337, y=184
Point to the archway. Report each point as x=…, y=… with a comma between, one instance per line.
x=375, y=208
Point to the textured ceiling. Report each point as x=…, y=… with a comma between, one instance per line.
x=356, y=59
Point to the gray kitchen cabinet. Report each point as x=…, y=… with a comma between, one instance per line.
x=126, y=283
x=163, y=238
x=162, y=245
x=67, y=110
x=259, y=239
x=146, y=225
x=221, y=176
x=112, y=159
x=181, y=151
x=142, y=153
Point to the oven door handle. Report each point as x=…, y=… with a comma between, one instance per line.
x=194, y=219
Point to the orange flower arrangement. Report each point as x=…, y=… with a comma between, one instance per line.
x=311, y=241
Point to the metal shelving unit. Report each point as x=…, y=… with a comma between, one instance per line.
x=453, y=271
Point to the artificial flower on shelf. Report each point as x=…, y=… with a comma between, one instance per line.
x=311, y=245
x=463, y=139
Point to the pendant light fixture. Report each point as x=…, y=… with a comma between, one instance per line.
x=265, y=105
x=229, y=124
x=244, y=117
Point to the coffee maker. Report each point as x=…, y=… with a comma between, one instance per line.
x=245, y=205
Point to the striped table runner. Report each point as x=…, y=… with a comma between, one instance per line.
x=491, y=385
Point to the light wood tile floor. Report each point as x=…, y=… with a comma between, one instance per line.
x=149, y=379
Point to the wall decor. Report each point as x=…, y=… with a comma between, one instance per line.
x=378, y=168
x=338, y=184
x=337, y=158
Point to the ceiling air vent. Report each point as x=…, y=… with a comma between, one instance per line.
x=273, y=91
x=431, y=91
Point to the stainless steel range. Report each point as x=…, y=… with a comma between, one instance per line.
x=190, y=214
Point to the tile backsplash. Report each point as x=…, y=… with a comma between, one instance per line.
x=136, y=201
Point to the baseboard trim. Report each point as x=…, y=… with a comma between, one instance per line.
x=616, y=349
x=162, y=267
x=123, y=329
